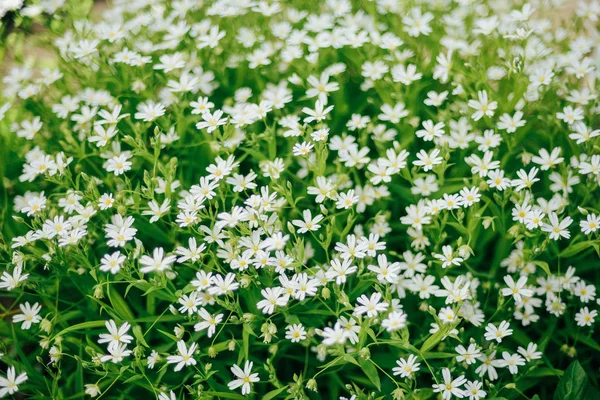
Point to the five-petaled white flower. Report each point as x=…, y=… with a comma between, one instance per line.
x=245, y=378
x=185, y=356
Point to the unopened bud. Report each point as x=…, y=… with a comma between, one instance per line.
x=98, y=292
x=365, y=353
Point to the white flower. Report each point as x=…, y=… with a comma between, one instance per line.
x=474, y=391
x=92, y=390
x=321, y=87
x=450, y=387
x=112, y=262
x=118, y=164
x=106, y=201
x=374, y=70
x=482, y=106
x=10, y=383
x=116, y=335
x=393, y=114
x=29, y=315
x=428, y=161
x=318, y=114
x=11, y=281
x=468, y=355
x=497, y=333
x=395, y=320
x=150, y=111
x=209, y=322
x=557, y=229
x=511, y=124
x=386, y=272
x=273, y=297
x=512, y=361
x=245, y=378
x=153, y=358
x=585, y=317
x=530, y=353
x=406, y=368
x=157, y=263
x=340, y=269
x=189, y=303
x=116, y=353
x=157, y=211
x=447, y=257
x=431, y=131
x=295, y=333
x=165, y=396
x=309, y=223
x=211, y=121
x=371, y=306
x=184, y=358
x=222, y=285
x=406, y=74
x=547, y=160
x=518, y=289
x=417, y=23
x=488, y=366
x=192, y=253
x=303, y=149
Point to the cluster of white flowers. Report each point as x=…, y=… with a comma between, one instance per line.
x=30, y=10
x=380, y=198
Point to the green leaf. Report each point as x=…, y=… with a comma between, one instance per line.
x=119, y=305
x=133, y=378
x=152, y=232
x=274, y=393
x=255, y=154
x=292, y=319
x=543, y=372
x=350, y=359
x=167, y=334
x=433, y=340
x=574, y=383
x=576, y=249
x=226, y=395
x=543, y=265
x=245, y=343
x=81, y=326
x=432, y=355
x=588, y=341
x=369, y=369
x=137, y=332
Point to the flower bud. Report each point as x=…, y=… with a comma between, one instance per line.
x=487, y=221
x=179, y=331
x=364, y=353
x=311, y=385
x=46, y=325
x=92, y=390
x=212, y=352
x=98, y=292
x=398, y=394
x=273, y=349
